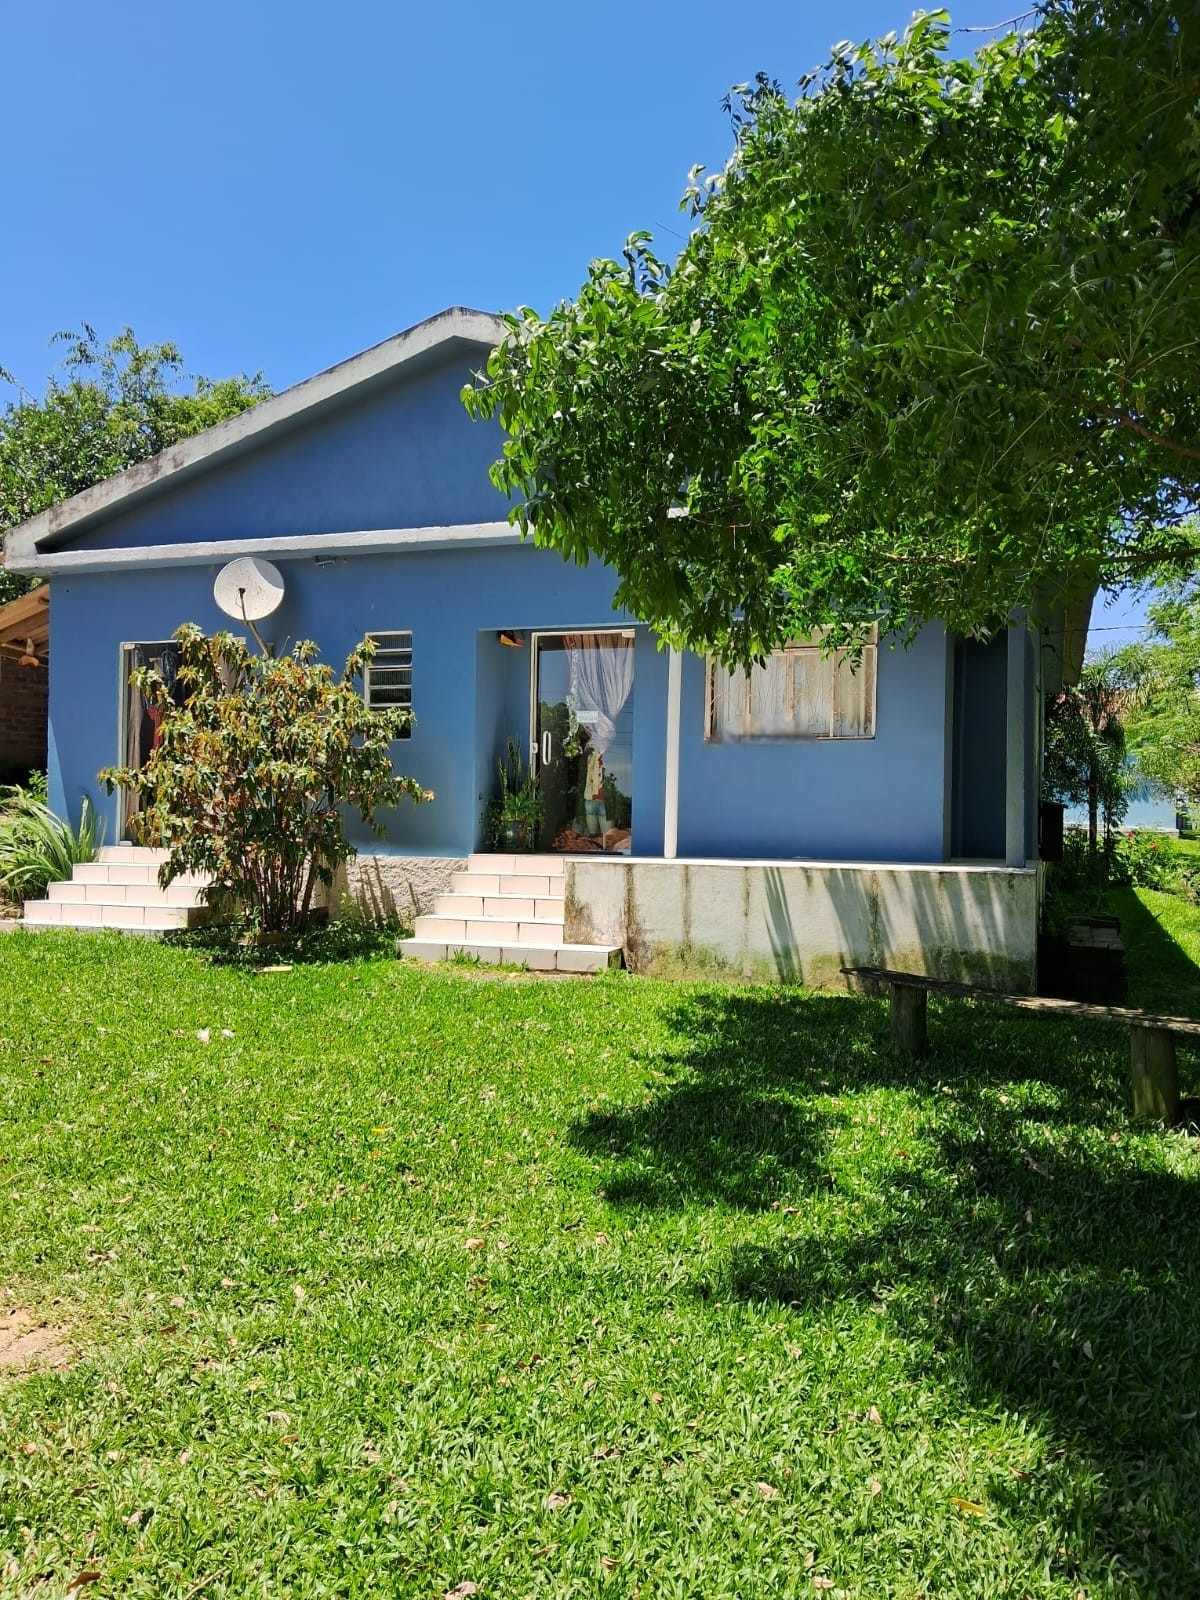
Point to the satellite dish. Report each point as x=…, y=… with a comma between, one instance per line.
x=248, y=589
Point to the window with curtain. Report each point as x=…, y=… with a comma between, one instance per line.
x=797, y=693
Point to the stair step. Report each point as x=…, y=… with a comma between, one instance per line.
x=551, y=865
x=507, y=907
x=489, y=930
x=130, y=855
x=123, y=894
x=132, y=873
x=475, y=883
x=132, y=919
x=538, y=957
x=547, y=886
x=140, y=919
x=539, y=885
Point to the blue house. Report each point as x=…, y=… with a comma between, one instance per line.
x=778, y=823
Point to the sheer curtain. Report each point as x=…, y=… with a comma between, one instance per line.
x=599, y=678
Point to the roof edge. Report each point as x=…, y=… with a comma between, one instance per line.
x=457, y=323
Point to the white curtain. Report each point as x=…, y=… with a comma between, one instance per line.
x=599, y=678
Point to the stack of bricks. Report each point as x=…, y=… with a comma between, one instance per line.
x=24, y=706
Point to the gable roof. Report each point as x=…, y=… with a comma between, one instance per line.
x=425, y=341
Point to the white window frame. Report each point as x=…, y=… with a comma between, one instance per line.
x=397, y=657
x=788, y=658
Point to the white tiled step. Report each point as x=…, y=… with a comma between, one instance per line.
x=64, y=914
x=489, y=930
x=120, y=894
x=547, y=886
x=507, y=907
x=134, y=872
x=130, y=854
x=551, y=866
x=538, y=957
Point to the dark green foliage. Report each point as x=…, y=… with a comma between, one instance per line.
x=37, y=847
x=517, y=805
x=358, y=1288
x=253, y=772
x=117, y=404
x=1085, y=759
x=932, y=350
x=1164, y=720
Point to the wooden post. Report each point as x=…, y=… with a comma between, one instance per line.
x=1155, y=1074
x=909, y=1034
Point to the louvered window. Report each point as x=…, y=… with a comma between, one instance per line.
x=387, y=683
x=797, y=693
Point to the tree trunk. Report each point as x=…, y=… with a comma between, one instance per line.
x=1093, y=812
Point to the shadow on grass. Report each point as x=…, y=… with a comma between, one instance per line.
x=1162, y=975
x=230, y=945
x=1034, y=1253
x=732, y=1120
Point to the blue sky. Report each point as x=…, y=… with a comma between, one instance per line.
x=277, y=184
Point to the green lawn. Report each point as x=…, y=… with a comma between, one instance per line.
x=1161, y=935
x=415, y=1280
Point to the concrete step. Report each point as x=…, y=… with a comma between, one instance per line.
x=507, y=907
x=141, y=919
x=537, y=957
x=481, y=861
x=489, y=930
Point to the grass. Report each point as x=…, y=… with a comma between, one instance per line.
x=404, y=1281
x=1161, y=935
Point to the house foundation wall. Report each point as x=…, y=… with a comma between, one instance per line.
x=393, y=889
x=801, y=922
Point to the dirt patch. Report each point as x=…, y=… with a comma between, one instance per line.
x=28, y=1345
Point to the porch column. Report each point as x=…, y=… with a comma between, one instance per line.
x=1015, y=763
x=671, y=782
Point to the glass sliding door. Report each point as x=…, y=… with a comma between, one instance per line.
x=583, y=739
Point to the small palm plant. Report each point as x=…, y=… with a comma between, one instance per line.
x=36, y=846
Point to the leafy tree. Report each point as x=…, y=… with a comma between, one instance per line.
x=117, y=404
x=252, y=773
x=932, y=350
x=1085, y=758
x=1164, y=724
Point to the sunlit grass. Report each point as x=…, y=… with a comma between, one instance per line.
x=404, y=1280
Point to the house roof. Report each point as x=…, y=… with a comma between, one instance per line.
x=425, y=341
x=24, y=620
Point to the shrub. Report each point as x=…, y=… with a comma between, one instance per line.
x=252, y=774
x=1143, y=860
x=37, y=847
x=517, y=805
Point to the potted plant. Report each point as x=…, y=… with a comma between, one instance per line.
x=512, y=819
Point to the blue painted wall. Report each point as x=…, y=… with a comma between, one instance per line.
x=406, y=454
x=402, y=455
x=862, y=799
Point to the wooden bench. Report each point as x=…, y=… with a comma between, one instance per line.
x=1155, y=1073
